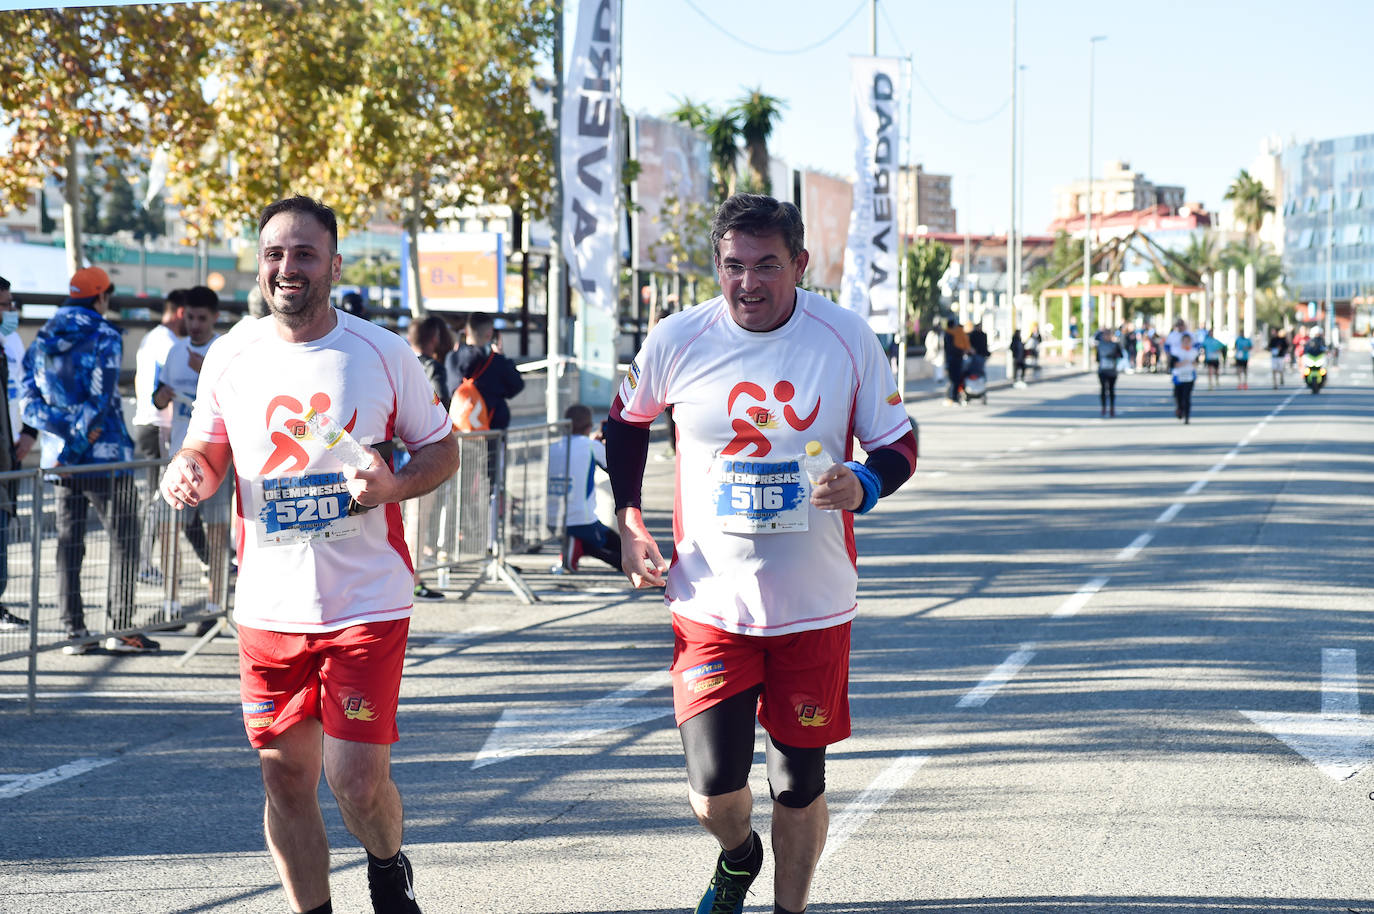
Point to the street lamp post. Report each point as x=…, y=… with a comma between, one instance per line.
x=1088, y=224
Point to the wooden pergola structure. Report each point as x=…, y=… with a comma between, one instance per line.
x=1184, y=290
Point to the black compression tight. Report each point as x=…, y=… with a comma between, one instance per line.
x=719, y=746
x=1108, y=383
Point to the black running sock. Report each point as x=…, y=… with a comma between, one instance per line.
x=326, y=908
x=379, y=864
x=749, y=854
x=779, y=909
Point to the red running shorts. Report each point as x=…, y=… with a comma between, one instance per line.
x=348, y=679
x=805, y=678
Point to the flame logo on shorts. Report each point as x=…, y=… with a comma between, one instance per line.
x=356, y=707
x=810, y=714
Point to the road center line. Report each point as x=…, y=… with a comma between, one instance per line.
x=30, y=782
x=1137, y=544
x=1169, y=513
x=1076, y=602
x=1003, y=673
x=878, y=792
x=1340, y=684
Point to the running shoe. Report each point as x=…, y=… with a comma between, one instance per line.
x=424, y=593
x=393, y=889
x=132, y=644
x=75, y=635
x=730, y=882
x=9, y=622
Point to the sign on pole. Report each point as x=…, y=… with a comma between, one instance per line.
x=591, y=156
x=869, y=286
x=461, y=271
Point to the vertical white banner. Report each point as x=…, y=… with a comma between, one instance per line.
x=591, y=155
x=869, y=286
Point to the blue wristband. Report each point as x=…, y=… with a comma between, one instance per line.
x=869, y=480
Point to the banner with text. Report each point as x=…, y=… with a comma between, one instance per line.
x=591, y=156
x=870, y=258
x=461, y=271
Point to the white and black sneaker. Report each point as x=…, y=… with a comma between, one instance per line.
x=80, y=641
x=392, y=887
x=9, y=622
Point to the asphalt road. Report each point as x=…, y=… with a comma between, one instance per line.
x=1078, y=639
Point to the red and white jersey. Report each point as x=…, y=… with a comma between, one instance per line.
x=751, y=555
x=305, y=565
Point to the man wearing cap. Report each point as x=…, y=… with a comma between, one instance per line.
x=71, y=395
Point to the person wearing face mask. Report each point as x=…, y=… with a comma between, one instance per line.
x=480, y=357
x=20, y=437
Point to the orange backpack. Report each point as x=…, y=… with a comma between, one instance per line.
x=467, y=409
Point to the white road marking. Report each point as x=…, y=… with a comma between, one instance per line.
x=1196, y=487
x=1137, y=544
x=1169, y=513
x=460, y=637
x=878, y=792
x=1004, y=672
x=52, y=696
x=1340, y=684
x=1073, y=604
x=937, y=474
x=526, y=730
x=28, y=782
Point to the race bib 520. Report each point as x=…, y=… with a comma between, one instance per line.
x=298, y=509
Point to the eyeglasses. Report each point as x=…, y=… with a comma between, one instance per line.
x=765, y=272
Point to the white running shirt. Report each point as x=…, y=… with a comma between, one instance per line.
x=148, y=362
x=577, y=477
x=304, y=564
x=184, y=380
x=745, y=405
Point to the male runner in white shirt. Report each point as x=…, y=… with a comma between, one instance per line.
x=323, y=598
x=763, y=584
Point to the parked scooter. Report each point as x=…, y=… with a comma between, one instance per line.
x=1314, y=370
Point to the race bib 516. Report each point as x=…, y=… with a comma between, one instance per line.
x=757, y=496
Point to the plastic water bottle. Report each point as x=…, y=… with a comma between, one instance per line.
x=336, y=439
x=816, y=462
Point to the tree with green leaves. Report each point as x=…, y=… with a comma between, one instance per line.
x=927, y=260
x=757, y=114
x=1251, y=200
x=1065, y=253
x=413, y=107
x=115, y=81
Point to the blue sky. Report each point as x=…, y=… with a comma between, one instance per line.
x=1186, y=90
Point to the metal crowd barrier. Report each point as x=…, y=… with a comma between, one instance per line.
x=496, y=505
x=115, y=582
x=144, y=567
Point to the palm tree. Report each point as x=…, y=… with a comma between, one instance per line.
x=694, y=114
x=757, y=113
x=722, y=133
x=1252, y=202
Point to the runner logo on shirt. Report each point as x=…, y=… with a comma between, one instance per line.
x=748, y=432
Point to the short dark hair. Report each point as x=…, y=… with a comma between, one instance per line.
x=580, y=417
x=303, y=204
x=352, y=303
x=757, y=214
x=480, y=320
x=4, y=284
x=202, y=297
x=175, y=299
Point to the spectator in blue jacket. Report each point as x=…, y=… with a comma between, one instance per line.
x=71, y=396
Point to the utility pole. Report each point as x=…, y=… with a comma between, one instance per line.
x=1330, y=250
x=1088, y=224
x=554, y=294
x=1012, y=275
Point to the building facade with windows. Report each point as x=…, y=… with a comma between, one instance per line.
x=1328, y=218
